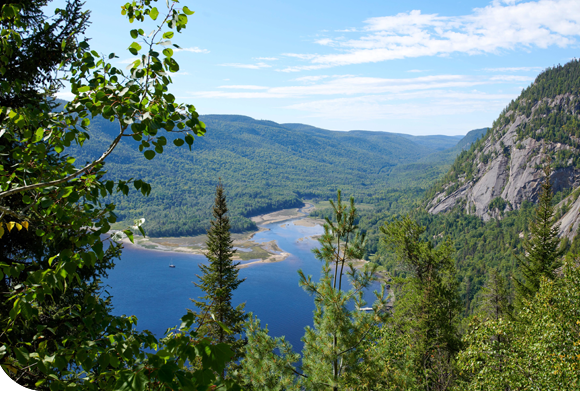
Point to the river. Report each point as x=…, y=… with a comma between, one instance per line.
x=142, y=284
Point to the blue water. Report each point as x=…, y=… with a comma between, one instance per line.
x=142, y=284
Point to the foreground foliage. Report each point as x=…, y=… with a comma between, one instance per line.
x=335, y=347
x=57, y=330
x=540, y=350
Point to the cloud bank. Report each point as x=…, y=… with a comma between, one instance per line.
x=501, y=26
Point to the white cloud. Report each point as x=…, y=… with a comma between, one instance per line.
x=301, y=56
x=266, y=58
x=311, y=78
x=417, y=105
x=236, y=95
x=349, y=85
x=128, y=60
x=247, y=87
x=502, y=25
x=65, y=96
x=325, y=42
x=514, y=69
x=192, y=50
x=512, y=78
x=259, y=65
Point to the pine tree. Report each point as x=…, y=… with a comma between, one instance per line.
x=335, y=346
x=427, y=303
x=496, y=298
x=219, y=280
x=542, y=254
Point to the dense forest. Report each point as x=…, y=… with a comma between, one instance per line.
x=265, y=167
x=475, y=304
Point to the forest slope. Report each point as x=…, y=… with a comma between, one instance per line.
x=265, y=166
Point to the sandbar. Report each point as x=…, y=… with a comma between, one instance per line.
x=265, y=252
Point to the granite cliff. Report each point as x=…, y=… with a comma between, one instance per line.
x=504, y=168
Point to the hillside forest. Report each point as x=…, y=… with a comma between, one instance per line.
x=473, y=239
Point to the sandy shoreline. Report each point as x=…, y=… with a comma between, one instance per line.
x=266, y=252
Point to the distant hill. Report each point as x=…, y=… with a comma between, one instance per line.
x=265, y=166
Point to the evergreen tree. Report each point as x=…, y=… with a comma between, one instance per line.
x=428, y=304
x=336, y=347
x=219, y=280
x=496, y=297
x=542, y=256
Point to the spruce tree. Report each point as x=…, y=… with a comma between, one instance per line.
x=219, y=280
x=427, y=307
x=542, y=255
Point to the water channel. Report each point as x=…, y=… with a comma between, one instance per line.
x=142, y=284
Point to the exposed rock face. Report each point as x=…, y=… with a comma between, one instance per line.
x=511, y=170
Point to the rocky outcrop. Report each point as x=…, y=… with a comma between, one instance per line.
x=508, y=168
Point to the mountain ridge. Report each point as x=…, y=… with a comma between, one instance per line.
x=503, y=169
x=265, y=166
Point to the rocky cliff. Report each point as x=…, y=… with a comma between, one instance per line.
x=504, y=169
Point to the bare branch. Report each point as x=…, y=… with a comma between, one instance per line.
x=66, y=178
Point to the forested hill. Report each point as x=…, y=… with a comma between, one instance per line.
x=265, y=166
x=503, y=169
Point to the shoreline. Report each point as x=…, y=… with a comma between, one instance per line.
x=195, y=245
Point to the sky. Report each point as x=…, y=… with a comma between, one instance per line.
x=415, y=67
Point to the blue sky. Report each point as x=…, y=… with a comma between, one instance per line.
x=417, y=67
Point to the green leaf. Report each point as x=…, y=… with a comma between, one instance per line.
x=134, y=33
x=168, y=52
x=189, y=140
x=134, y=49
x=51, y=260
x=84, y=89
x=186, y=321
x=168, y=35
x=98, y=249
x=129, y=234
x=149, y=154
x=178, y=142
x=187, y=10
x=167, y=372
x=22, y=355
x=128, y=380
x=154, y=13
x=66, y=191
x=38, y=135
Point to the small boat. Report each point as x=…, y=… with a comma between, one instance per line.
x=171, y=266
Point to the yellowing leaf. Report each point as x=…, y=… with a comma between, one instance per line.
x=1, y=231
x=18, y=226
x=25, y=224
x=10, y=225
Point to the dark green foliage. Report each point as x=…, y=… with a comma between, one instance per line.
x=496, y=298
x=265, y=166
x=336, y=346
x=543, y=254
x=427, y=304
x=24, y=78
x=219, y=280
x=57, y=329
